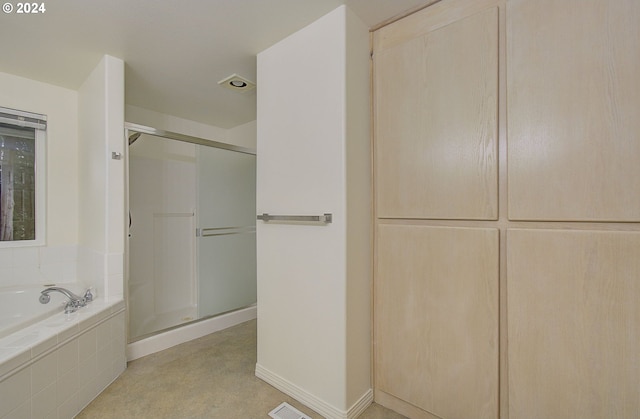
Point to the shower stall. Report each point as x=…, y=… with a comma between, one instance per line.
x=192, y=248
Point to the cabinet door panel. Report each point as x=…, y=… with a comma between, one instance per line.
x=573, y=95
x=436, y=122
x=573, y=334
x=436, y=320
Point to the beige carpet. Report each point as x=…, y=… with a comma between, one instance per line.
x=207, y=378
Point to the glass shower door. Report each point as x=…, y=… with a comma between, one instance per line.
x=162, y=282
x=226, y=242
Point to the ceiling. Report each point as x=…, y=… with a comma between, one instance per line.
x=175, y=52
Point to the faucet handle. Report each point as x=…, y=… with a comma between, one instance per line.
x=88, y=295
x=72, y=306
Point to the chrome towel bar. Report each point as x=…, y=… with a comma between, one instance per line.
x=325, y=218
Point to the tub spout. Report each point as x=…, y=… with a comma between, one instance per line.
x=74, y=303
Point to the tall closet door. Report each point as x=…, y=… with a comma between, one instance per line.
x=436, y=150
x=573, y=90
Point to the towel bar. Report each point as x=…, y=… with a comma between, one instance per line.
x=325, y=218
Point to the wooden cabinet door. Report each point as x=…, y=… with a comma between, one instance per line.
x=436, y=158
x=436, y=318
x=573, y=109
x=573, y=97
x=573, y=313
x=436, y=98
x=566, y=178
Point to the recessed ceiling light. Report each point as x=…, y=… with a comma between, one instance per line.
x=237, y=83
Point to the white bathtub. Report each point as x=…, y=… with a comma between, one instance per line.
x=63, y=359
x=20, y=307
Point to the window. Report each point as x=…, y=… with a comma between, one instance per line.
x=22, y=178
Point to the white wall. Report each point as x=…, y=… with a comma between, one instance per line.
x=359, y=209
x=313, y=154
x=56, y=261
x=93, y=161
x=85, y=198
x=61, y=107
x=172, y=123
x=242, y=135
x=101, y=178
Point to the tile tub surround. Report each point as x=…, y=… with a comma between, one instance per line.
x=54, y=368
x=22, y=266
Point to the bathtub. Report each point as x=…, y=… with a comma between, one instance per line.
x=53, y=364
x=20, y=307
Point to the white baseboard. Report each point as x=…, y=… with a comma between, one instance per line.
x=189, y=332
x=361, y=405
x=312, y=402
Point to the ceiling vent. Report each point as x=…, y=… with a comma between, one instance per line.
x=237, y=83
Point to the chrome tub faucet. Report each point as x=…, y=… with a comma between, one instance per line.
x=74, y=303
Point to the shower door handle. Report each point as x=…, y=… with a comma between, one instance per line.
x=224, y=231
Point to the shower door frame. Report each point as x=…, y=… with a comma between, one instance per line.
x=129, y=130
